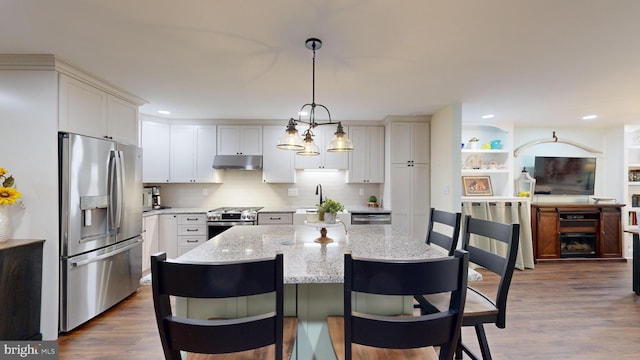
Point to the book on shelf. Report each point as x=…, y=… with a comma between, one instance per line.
x=633, y=218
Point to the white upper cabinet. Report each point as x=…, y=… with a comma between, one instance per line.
x=239, y=140
x=182, y=158
x=277, y=165
x=192, y=150
x=156, y=138
x=410, y=143
x=326, y=160
x=82, y=108
x=122, y=120
x=366, y=161
x=87, y=110
x=205, y=148
x=180, y=153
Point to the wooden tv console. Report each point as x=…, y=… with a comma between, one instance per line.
x=576, y=231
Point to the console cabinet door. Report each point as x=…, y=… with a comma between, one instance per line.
x=547, y=235
x=610, y=244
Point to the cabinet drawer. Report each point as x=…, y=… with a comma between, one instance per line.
x=192, y=230
x=275, y=218
x=186, y=243
x=191, y=240
x=185, y=219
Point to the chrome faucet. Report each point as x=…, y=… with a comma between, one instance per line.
x=319, y=192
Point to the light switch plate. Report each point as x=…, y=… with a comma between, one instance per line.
x=292, y=191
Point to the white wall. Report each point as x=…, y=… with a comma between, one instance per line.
x=446, y=128
x=28, y=148
x=593, y=138
x=245, y=188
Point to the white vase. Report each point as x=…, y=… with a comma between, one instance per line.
x=5, y=226
x=329, y=218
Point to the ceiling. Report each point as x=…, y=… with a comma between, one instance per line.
x=535, y=62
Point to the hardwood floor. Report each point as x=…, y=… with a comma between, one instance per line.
x=570, y=310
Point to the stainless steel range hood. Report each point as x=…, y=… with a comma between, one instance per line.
x=238, y=162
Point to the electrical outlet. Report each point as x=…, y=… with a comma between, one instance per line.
x=205, y=192
x=292, y=191
x=361, y=191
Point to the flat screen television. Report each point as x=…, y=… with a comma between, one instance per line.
x=557, y=175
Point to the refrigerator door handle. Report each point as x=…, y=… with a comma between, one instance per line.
x=120, y=191
x=113, y=173
x=104, y=256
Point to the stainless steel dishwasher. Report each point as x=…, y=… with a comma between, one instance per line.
x=369, y=218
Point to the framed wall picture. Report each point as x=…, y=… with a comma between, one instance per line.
x=477, y=186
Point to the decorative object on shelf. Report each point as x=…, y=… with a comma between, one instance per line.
x=486, y=146
x=474, y=143
x=554, y=139
x=8, y=196
x=291, y=140
x=373, y=201
x=496, y=144
x=525, y=185
x=477, y=186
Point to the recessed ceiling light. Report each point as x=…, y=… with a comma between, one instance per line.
x=589, y=117
x=488, y=116
x=164, y=112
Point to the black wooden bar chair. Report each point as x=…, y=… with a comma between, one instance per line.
x=481, y=308
x=263, y=336
x=358, y=335
x=444, y=231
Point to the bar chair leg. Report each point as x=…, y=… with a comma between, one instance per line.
x=482, y=341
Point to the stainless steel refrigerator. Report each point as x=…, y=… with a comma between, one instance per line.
x=100, y=225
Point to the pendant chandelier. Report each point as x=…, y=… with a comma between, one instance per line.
x=291, y=139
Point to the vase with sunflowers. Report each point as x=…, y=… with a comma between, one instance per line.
x=8, y=196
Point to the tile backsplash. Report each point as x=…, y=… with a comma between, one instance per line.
x=245, y=188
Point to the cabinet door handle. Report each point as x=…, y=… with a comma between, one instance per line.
x=192, y=230
x=275, y=218
x=192, y=241
x=192, y=219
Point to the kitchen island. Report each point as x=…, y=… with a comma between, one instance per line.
x=313, y=273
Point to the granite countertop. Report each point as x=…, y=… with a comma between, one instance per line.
x=175, y=211
x=306, y=261
x=368, y=210
x=279, y=210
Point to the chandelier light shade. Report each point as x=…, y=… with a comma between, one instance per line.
x=291, y=139
x=340, y=141
x=310, y=148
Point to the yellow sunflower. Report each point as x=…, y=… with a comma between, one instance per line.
x=3, y=171
x=8, y=195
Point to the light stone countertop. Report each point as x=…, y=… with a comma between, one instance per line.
x=306, y=261
x=175, y=211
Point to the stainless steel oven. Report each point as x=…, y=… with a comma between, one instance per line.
x=221, y=219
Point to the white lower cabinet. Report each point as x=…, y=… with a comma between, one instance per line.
x=179, y=233
x=167, y=235
x=149, y=240
x=192, y=231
